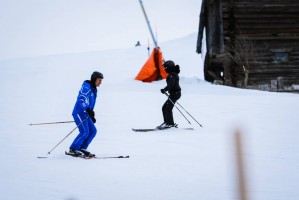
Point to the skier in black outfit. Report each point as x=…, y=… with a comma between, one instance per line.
x=174, y=89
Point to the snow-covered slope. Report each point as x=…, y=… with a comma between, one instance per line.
x=162, y=165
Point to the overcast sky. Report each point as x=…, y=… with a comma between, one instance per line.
x=42, y=27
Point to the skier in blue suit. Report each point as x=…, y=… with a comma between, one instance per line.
x=84, y=116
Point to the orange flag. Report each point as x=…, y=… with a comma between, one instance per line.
x=152, y=70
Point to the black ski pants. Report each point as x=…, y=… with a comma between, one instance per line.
x=168, y=106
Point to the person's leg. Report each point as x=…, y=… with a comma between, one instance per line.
x=167, y=112
x=91, y=135
x=83, y=131
x=168, y=106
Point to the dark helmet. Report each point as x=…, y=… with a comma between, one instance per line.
x=94, y=77
x=171, y=67
x=168, y=64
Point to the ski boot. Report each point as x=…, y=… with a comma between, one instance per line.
x=166, y=126
x=87, y=153
x=75, y=153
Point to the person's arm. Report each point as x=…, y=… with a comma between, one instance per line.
x=170, y=82
x=83, y=97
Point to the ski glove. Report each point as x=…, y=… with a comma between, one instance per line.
x=90, y=112
x=93, y=120
x=163, y=91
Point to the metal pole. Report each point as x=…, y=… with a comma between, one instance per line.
x=148, y=47
x=148, y=24
x=66, y=136
x=186, y=112
x=177, y=108
x=50, y=123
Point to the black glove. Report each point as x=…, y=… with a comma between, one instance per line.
x=163, y=91
x=90, y=112
x=93, y=119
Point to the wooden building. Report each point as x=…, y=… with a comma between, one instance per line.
x=251, y=43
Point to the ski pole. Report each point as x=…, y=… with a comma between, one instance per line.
x=187, y=112
x=66, y=136
x=50, y=123
x=177, y=107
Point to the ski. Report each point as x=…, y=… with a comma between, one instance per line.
x=156, y=129
x=96, y=157
x=145, y=130
x=42, y=157
x=103, y=157
x=107, y=157
x=87, y=158
x=66, y=153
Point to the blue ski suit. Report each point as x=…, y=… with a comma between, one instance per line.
x=87, y=130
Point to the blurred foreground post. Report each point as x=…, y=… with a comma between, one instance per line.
x=240, y=167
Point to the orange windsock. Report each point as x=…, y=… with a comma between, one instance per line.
x=152, y=70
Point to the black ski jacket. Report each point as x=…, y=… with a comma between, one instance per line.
x=173, y=84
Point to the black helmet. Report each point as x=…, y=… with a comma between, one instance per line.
x=171, y=67
x=94, y=77
x=168, y=64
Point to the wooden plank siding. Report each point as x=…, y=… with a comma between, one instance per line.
x=261, y=44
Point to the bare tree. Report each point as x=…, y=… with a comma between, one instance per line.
x=242, y=51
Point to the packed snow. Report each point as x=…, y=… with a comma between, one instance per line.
x=179, y=164
x=172, y=165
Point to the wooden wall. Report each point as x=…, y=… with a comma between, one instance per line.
x=261, y=43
